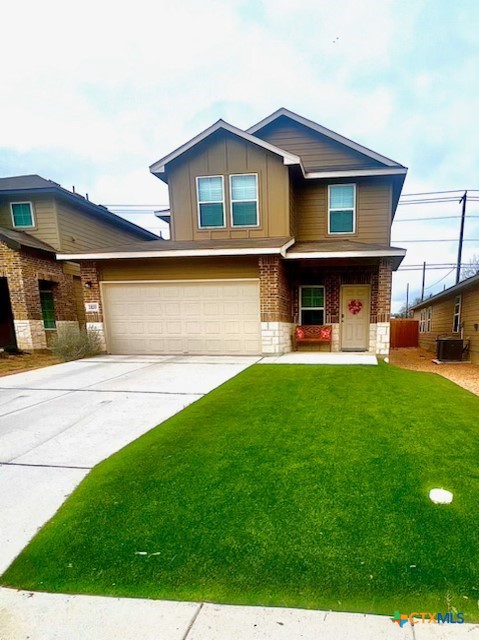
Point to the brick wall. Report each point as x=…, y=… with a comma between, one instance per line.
x=384, y=290
x=275, y=290
x=90, y=279
x=23, y=270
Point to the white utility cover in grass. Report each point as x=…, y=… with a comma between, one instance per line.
x=440, y=496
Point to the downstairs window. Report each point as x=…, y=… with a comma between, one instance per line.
x=311, y=305
x=48, y=306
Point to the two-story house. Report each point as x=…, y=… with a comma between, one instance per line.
x=38, y=218
x=285, y=224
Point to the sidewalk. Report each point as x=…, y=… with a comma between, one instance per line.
x=44, y=616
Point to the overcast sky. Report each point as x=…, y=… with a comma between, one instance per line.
x=93, y=93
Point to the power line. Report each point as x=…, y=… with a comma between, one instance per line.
x=441, y=240
x=443, y=278
x=433, y=218
x=429, y=193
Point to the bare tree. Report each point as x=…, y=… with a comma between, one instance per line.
x=471, y=269
x=402, y=311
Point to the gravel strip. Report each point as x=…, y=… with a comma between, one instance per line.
x=465, y=375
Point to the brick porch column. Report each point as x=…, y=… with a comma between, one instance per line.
x=275, y=305
x=90, y=278
x=383, y=306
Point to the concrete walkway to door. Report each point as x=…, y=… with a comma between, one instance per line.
x=58, y=422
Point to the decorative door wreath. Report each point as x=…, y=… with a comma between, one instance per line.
x=355, y=306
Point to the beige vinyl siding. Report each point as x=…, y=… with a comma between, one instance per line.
x=316, y=151
x=373, y=210
x=470, y=317
x=292, y=210
x=180, y=269
x=80, y=230
x=44, y=213
x=442, y=318
x=225, y=154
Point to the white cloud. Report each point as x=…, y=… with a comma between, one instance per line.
x=110, y=88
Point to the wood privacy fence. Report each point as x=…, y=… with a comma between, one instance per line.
x=404, y=333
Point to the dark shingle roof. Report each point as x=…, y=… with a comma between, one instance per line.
x=18, y=239
x=339, y=244
x=190, y=245
x=17, y=185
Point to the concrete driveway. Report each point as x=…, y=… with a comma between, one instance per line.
x=57, y=423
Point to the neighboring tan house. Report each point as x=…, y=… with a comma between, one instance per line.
x=286, y=223
x=451, y=313
x=38, y=218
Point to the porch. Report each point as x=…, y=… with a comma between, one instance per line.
x=352, y=296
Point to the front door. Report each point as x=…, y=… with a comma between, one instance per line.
x=355, y=317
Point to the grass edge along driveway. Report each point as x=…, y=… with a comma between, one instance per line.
x=290, y=485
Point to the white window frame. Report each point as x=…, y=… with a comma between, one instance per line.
x=422, y=321
x=30, y=226
x=425, y=320
x=243, y=226
x=341, y=233
x=198, y=178
x=300, y=307
x=457, y=314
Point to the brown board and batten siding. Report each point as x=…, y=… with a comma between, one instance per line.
x=373, y=210
x=316, y=150
x=82, y=231
x=180, y=269
x=442, y=319
x=226, y=154
x=44, y=212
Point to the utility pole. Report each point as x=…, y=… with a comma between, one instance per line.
x=461, y=236
x=407, y=300
x=423, y=280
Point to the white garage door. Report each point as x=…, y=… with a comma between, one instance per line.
x=197, y=317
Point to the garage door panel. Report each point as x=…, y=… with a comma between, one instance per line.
x=192, y=317
x=193, y=328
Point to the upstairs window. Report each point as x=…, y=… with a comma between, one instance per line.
x=311, y=305
x=22, y=215
x=342, y=208
x=456, y=322
x=211, y=202
x=244, y=200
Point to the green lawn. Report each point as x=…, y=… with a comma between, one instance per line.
x=291, y=485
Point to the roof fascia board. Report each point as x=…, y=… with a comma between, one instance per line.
x=187, y=253
x=347, y=254
x=356, y=173
x=324, y=131
x=159, y=167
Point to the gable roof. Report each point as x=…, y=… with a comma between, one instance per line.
x=455, y=289
x=158, y=168
x=389, y=167
x=283, y=112
x=18, y=239
x=22, y=186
